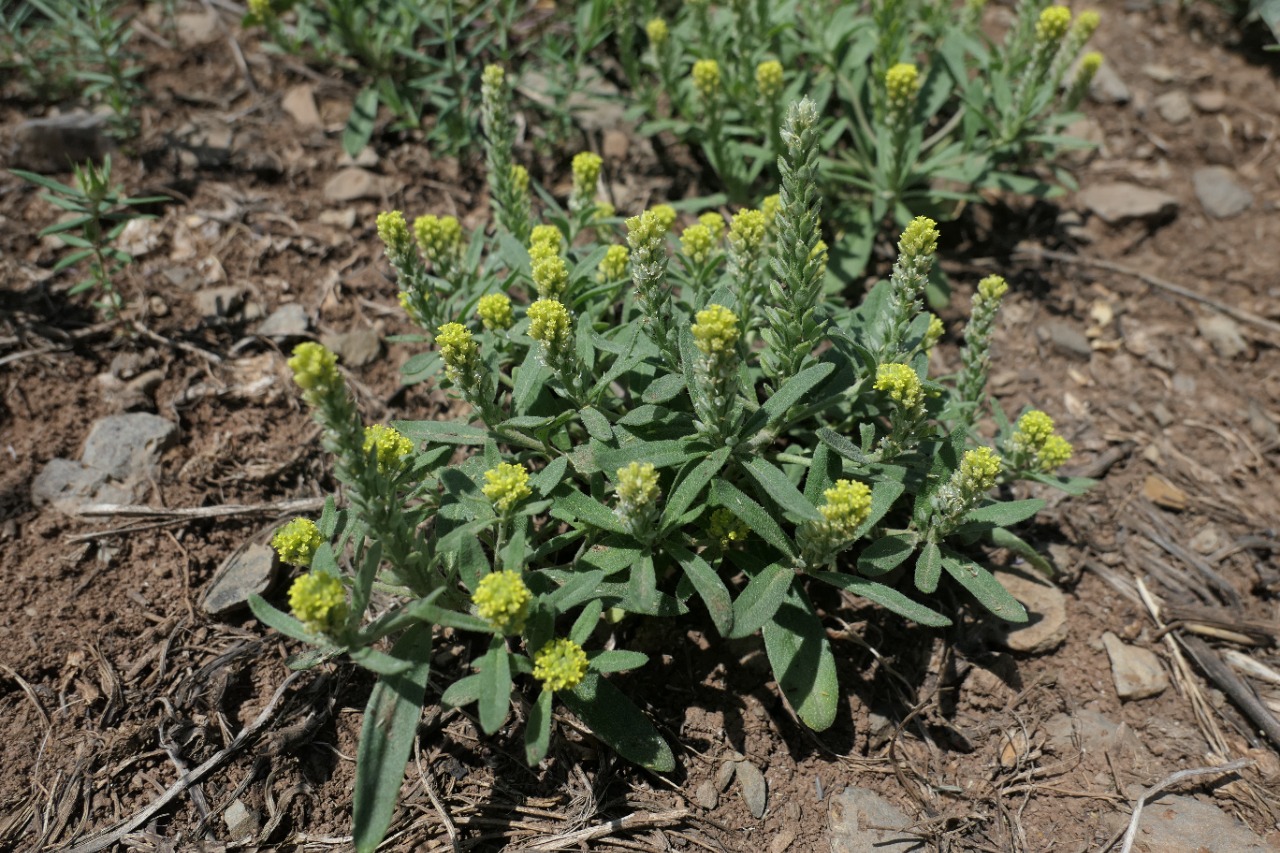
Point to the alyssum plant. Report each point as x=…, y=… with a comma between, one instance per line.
x=654, y=432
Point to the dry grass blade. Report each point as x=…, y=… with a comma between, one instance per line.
x=631, y=822
x=1131, y=831
x=1235, y=687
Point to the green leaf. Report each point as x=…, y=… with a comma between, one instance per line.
x=663, y=454
x=495, y=685
x=983, y=586
x=573, y=505
x=760, y=600
x=359, y=129
x=883, y=495
x=597, y=424
x=691, y=486
x=445, y=432
x=642, y=589
x=379, y=663
x=582, y=587
x=928, y=567
x=278, y=619
x=710, y=588
x=616, y=720
x=462, y=692
x=617, y=660
x=425, y=610
x=1074, y=486
x=530, y=378
x=537, y=729
x=545, y=481
x=753, y=515
x=801, y=657
x=1003, y=514
x=886, y=554
x=386, y=737
x=886, y=596
x=781, y=490
x=842, y=445
x=1002, y=538
x=609, y=559
x=663, y=389
x=823, y=471
x=586, y=622
x=777, y=406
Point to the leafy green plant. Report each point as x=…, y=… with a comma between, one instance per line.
x=657, y=427
x=924, y=110
x=97, y=213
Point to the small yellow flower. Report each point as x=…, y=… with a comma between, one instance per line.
x=550, y=276
x=746, y=232
x=637, y=486
x=439, y=237
x=391, y=446
x=1087, y=24
x=716, y=330
x=546, y=235
x=393, y=231
x=493, y=76
x=902, y=84
x=657, y=31
x=586, y=173
x=978, y=470
x=1053, y=24
x=502, y=600
x=992, y=288
x=549, y=323
x=613, y=266
x=727, y=527
x=770, y=207
x=1034, y=436
x=560, y=665
x=706, y=78
x=920, y=238
x=901, y=384
x=520, y=177
x=664, y=213
x=458, y=349
x=933, y=334
x=848, y=505
x=1089, y=65
x=769, y=79
x=715, y=224
x=696, y=242
x=1053, y=454
x=315, y=369
x=506, y=485
x=494, y=311
x=297, y=541
x=1033, y=429
x=319, y=602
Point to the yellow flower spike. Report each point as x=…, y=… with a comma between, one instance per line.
x=746, y=232
x=933, y=334
x=439, y=237
x=716, y=330
x=638, y=485
x=586, y=172
x=1054, y=454
x=506, y=485
x=502, y=600
x=315, y=369
x=919, y=238
x=769, y=79
x=1053, y=24
x=978, y=470
x=657, y=31
x=664, y=213
x=992, y=288
x=546, y=235
x=458, y=349
x=319, y=601
x=902, y=84
x=560, y=665
x=706, y=78
x=297, y=542
x=393, y=231
x=714, y=222
x=391, y=446
x=901, y=384
x=1089, y=65
x=613, y=266
x=550, y=324
x=494, y=311
x=550, y=276
x=520, y=177
x=848, y=505
x=493, y=76
x=696, y=242
x=1033, y=429
x=1087, y=24
x=770, y=206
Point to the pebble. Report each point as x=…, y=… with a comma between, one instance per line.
x=615, y=146
x=1174, y=107
x=219, y=301
x=782, y=841
x=1136, y=671
x=1107, y=87
x=287, y=321
x=1178, y=824
x=353, y=184
x=248, y=572
x=128, y=447
x=855, y=808
x=1047, y=607
x=1223, y=334
x=1120, y=203
x=299, y=103
x=242, y=822
x=1210, y=100
x=755, y=790
x=56, y=144
x=1162, y=493
x=356, y=348
x=707, y=796
x=1095, y=734
x=196, y=28
x=1067, y=339
x=1220, y=193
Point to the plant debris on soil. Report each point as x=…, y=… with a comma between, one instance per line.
x=1138, y=711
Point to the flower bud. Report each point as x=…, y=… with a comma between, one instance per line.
x=506, y=485
x=560, y=665
x=502, y=600
x=389, y=444
x=297, y=542
x=494, y=311
x=319, y=601
x=706, y=78
x=769, y=80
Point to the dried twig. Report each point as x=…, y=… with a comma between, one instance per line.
x=633, y=821
x=223, y=511
x=1131, y=831
x=1235, y=687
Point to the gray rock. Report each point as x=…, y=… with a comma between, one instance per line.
x=56, y=144
x=1107, y=87
x=300, y=104
x=356, y=348
x=1210, y=100
x=248, y=572
x=1067, y=339
x=195, y=28
x=1220, y=194
x=1223, y=334
x=1137, y=672
x=707, y=796
x=1178, y=824
x=128, y=447
x=68, y=485
x=755, y=791
x=287, y=321
x=219, y=301
x=855, y=808
x=1047, y=607
x=242, y=822
x=1174, y=107
x=1120, y=203
x=352, y=184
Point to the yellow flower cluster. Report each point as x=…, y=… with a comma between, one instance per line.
x=389, y=445
x=458, y=350
x=319, y=602
x=1034, y=436
x=560, y=665
x=657, y=31
x=393, y=231
x=1087, y=24
x=494, y=311
x=746, y=232
x=901, y=384
x=934, y=333
x=613, y=266
x=696, y=242
x=506, y=485
x=586, y=173
x=991, y=288
x=664, y=213
x=920, y=238
x=315, y=370
x=716, y=330
x=297, y=541
x=604, y=210
x=492, y=77
x=706, y=78
x=502, y=600
x=439, y=238
x=769, y=79
x=770, y=207
x=727, y=527
x=544, y=237
x=715, y=224
x=1053, y=24
x=848, y=505
x=978, y=471
x=260, y=10
x=637, y=486
x=549, y=323
x=550, y=274
x=901, y=85
x=519, y=177
x=1089, y=65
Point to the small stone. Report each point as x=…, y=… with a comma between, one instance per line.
x=1163, y=493
x=128, y=447
x=1210, y=100
x=65, y=483
x=1174, y=107
x=1220, y=193
x=725, y=773
x=1107, y=87
x=1207, y=540
x=855, y=808
x=1178, y=824
x=219, y=301
x=353, y=184
x=242, y=822
x=782, y=841
x=344, y=218
x=1068, y=340
x=1223, y=334
x=249, y=572
x=707, y=796
x=1136, y=671
x=1046, y=629
x=755, y=791
x=196, y=28
x=287, y=321
x=356, y=348
x=1161, y=413
x=1120, y=203
x=300, y=105
x=57, y=144
x=209, y=142
x=1094, y=733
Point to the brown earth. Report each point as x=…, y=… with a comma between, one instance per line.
x=113, y=680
